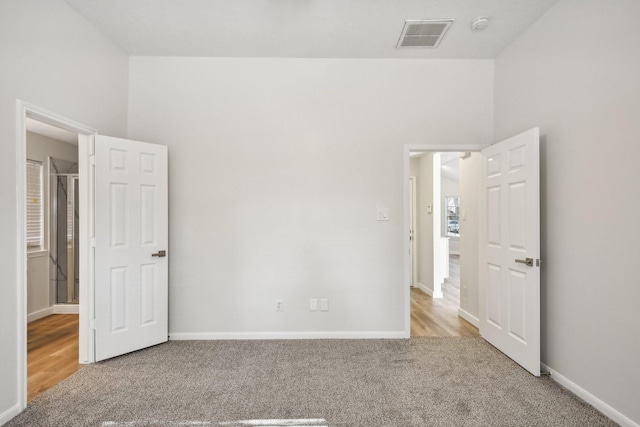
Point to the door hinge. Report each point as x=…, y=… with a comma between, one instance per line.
x=92, y=159
x=92, y=324
x=92, y=242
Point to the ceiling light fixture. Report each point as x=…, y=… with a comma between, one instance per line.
x=480, y=23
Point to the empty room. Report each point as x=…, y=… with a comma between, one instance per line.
x=246, y=250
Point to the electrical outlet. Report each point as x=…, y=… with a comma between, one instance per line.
x=324, y=304
x=278, y=305
x=313, y=304
x=382, y=214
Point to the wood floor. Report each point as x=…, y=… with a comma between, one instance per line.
x=52, y=352
x=439, y=317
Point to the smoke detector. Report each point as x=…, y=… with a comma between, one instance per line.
x=480, y=23
x=423, y=33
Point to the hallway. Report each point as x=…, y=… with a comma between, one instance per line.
x=439, y=317
x=52, y=352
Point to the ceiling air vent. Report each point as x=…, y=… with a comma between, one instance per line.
x=423, y=33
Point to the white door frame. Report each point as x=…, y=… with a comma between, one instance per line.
x=405, y=229
x=86, y=136
x=413, y=225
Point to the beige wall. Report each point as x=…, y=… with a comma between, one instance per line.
x=469, y=236
x=575, y=74
x=423, y=167
x=39, y=148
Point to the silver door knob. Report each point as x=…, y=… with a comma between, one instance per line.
x=160, y=254
x=528, y=262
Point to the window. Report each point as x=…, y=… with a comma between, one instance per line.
x=452, y=206
x=35, y=223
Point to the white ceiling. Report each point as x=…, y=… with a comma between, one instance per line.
x=51, y=131
x=304, y=28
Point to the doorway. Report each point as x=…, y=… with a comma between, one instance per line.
x=434, y=300
x=54, y=254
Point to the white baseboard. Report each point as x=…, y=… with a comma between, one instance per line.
x=180, y=336
x=424, y=289
x=583, y=394
x=66, y=309
x=9, y=414
x=469, y=317
x=56, y=309
x=39, y=314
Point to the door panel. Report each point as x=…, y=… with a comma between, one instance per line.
x=509, y=234
x=131, y=226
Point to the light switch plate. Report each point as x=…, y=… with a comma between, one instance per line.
x=313, y=304
x=324, y=304
x=383, y=214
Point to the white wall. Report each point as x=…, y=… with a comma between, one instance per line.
x=55, y=59
x=39, y=147
x=469, y=235
x=449, y=188
x=574, y=74
x=277, y=167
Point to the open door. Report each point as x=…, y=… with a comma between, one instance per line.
x=131, y=229
x=510, y=248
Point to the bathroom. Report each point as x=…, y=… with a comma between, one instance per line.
x=52, y=223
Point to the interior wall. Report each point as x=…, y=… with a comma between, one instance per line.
x=55, y=59
x=414, y=170
x=581, y=87
x=39, y=147
x=277, y=169
x=449, y=188
x=425, y=222
x=470, y=169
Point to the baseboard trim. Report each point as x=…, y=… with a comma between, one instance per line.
x=66, y=309
x=207, y=336
x=9, y=414
x=55, y=309
x=39, y=314
x=469, y=317
x=583, y=394
x=424, y=289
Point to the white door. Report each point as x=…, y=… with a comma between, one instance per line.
x=131, y=229
x=510, y=248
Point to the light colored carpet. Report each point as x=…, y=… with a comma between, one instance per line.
x=351, y=383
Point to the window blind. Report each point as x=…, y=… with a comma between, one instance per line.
x=35, y=227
